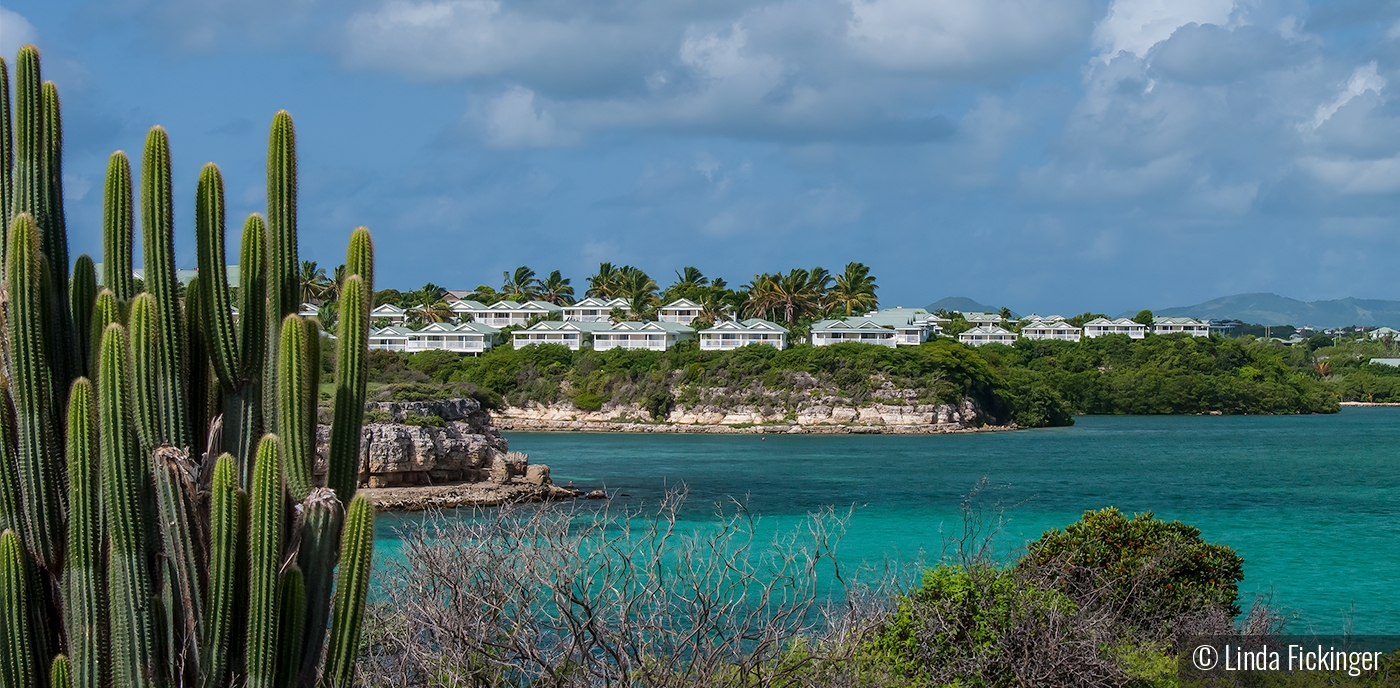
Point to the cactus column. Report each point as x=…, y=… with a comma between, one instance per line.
x=158, y=241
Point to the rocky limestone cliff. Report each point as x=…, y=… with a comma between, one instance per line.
x=468, y=448
x=816, y=415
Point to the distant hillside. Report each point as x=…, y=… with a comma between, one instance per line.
x=1272, y=309
x=964, y=305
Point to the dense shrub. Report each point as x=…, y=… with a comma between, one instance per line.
x=588, y=401
x=1155, y=570
x=432, y=421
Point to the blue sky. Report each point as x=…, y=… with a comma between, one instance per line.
x=1048, y=155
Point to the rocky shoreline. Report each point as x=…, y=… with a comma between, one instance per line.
x=816, y=419
x=454, y=495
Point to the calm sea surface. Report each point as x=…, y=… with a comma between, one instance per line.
x=1312, y=503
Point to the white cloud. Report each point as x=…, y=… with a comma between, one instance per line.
x=511, y=120
x=962, y=36
x=1363, y=79
x=1357, y=176
x=1134, y=26
x=15, y=31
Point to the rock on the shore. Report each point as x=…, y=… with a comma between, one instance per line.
x=468, y=448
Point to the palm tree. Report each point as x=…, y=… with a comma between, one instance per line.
x=485, y=294
x=556, y=290
x=337, y=281
x=431, y=312
x=638, y=288
x=520, y=285
x=819, y=281
x=313, y=282
x=795, y=294
x=604, y=284
x=690, y=275
x=428, y=293
x=855, y=289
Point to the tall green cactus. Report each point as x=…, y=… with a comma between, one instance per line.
x=28, y=183
x=283, y=289
x=298, y=373
x=228, y=547
x=59, y=673
x=7, y=155
x=351, y=384
x=356, y=551
x=265, y=559
x=125, y=479
x=18, y=663
x=118, y=229
x=40, y=457
x=323, y=518
x=158, y=244
x=82, y=295
x=117, y=546
x=84, y=586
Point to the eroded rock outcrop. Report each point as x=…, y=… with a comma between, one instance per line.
x=466, y=448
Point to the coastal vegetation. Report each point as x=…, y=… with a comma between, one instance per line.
x=573, y=595
x=159, y=518
x=1033, y=383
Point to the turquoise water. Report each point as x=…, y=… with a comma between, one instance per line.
x=1312, y=503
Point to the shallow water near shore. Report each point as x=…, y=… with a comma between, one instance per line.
x=1312, y=503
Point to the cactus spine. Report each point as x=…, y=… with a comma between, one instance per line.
x=356, y=550
x=158, y=243
x=118, y=231
x=265, y=558
x=39, y=457
x=83, y=584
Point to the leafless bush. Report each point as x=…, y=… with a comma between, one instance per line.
x=566, y=596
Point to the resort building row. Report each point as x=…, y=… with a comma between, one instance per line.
x=590, y=323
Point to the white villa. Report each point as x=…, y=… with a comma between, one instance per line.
x=652, y=336
x=1099, y=327
x=732, y=334
x=390, y=312
x=309, y=310
x=1043, y=318
x=1382, y=333
x=464, y=309
x=1191, y=326
x=979, y=319
x=682, y=311
x=987, y=334
x=593, y=309
x=468, y=338
x=890, y=327
x=861, y=330
x=507, y=313
x=567, y=332
x=1051, y=329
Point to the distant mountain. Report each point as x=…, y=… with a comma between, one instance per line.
x=964, y=305
x=1272, y=309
